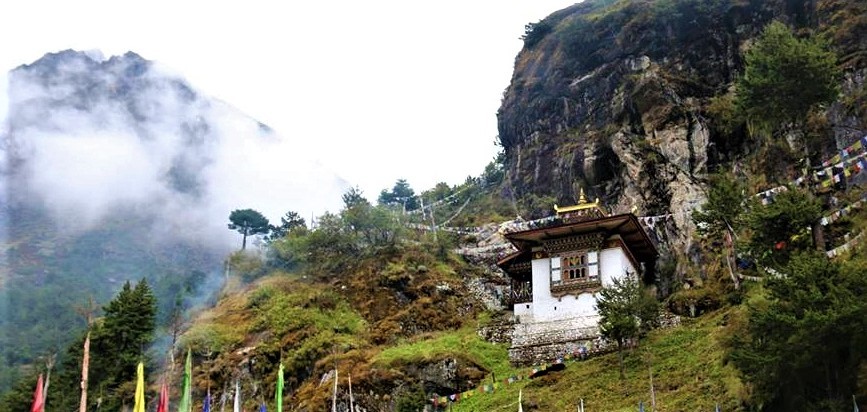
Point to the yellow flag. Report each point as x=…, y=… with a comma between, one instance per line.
x=139, y=390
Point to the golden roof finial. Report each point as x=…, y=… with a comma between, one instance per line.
x=583, y=204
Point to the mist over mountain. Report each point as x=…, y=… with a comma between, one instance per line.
x=118, y=169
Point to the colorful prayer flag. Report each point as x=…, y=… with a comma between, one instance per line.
x=139, y=390
x=279, y=391
x=38, y=400
x=186, y=404
x=163, y=405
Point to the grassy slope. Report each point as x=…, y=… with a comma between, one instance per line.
x=688, y=372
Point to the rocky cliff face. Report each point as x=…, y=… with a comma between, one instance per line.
x=614, y=95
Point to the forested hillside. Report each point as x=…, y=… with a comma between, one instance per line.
x=734, y=129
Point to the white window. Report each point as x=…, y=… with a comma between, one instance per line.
x=555, y=271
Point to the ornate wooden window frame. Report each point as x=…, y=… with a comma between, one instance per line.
x=567, y=279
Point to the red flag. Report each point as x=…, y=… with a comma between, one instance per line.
x=38, y=401
x=163, y=406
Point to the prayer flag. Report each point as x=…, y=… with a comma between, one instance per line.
x=206, y=407
x=262, y=408
x=38, y=400
x=279, y=394
x=186, y=404
x=163, y=405
x=237, y=397
x=139, y=390
x=640, y=406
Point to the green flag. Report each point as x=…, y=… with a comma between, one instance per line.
x=279, y=394
x=186, y=404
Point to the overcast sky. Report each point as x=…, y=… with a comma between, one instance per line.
x=376, y=90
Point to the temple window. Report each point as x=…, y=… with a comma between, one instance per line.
x=574, y=267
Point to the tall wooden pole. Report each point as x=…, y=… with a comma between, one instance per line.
x=334, y=394
x=351, y=406
x=85, y=362
x=49, y=364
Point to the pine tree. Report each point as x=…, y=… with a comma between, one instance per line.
x=803, y=345
x=785, y=77
x=782, y=227
x=119, y=341
x=723, y=209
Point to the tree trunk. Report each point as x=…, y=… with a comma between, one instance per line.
x=620, y=358
x=244, y=242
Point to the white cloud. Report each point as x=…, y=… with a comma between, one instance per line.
x=375, y=90
x=97, y=140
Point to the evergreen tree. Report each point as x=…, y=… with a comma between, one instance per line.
x=289, y=221
x=785, y=77
x=627, y=312
x=723, y=209
x=353, y=197
x=248, y=222
x=118, y=342
x=400, y=195
x=803, y=345
x=781, y=227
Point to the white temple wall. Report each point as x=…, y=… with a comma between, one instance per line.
x=612, y=262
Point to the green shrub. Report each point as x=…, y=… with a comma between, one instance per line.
x=699, y=300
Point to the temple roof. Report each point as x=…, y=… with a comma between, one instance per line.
x=626, y=225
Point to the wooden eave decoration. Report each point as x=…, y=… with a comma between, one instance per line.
x=516, y=263
x=626, y=225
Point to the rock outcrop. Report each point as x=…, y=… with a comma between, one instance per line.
x=614, y=95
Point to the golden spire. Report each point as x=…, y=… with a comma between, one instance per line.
x=581, y=198
x=583, y=204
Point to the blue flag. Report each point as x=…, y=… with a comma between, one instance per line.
x=640, y=406
x=206, y=407
x=262, y=408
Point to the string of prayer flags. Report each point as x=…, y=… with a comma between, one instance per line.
x=845, y=247
x=837, y=214
x=767, y=196
x=845, y=153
